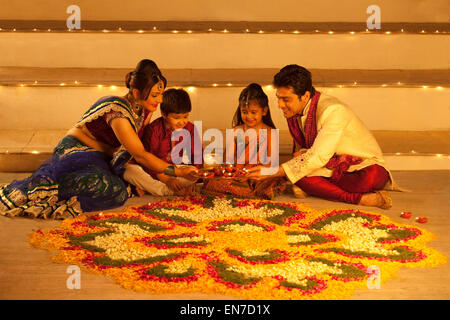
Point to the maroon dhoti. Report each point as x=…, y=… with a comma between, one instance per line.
x=349, y=188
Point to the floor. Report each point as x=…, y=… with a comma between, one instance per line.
x=28, y=273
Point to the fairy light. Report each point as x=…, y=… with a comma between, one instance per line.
x=330, y=32
x=229, y=84
x=35, y=152
x=189, y=31
x=175, y=31
x=210, y=29
x=260, y=31
x=352, y=32
x=439, y=88
x=113, y=87
x=100, y=86
x=191, y=89
x=76, y=82
x=246, y=30
x=214, y=84
x=62, y=84
x=425, y=87
x=225, y=31
x=296, y=32
x=384, y=85
x=140, y=31
x=154, y=28
x=388, y=32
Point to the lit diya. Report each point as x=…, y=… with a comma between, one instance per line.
x=229, y=171
x=406, y=214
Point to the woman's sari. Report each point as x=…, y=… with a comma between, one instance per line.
x=76, y=179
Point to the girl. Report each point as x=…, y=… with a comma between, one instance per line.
x=252, y=124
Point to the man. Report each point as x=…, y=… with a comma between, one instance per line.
x=335, y=156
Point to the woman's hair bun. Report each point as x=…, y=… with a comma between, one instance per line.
x=128, y=79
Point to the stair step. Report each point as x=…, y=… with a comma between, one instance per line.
x=79, y=77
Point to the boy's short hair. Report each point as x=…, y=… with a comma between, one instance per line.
x=175, y=101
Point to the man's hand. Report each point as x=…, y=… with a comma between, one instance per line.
x=299, y=153
x=255, y=173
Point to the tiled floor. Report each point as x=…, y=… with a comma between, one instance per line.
x=28, y=273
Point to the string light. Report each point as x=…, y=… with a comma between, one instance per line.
x=191, y=89
x=227, y=30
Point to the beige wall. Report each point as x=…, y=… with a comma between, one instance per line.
x=230, y=10
x=337, y=51
x=379, y=108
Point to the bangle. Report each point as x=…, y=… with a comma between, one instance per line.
x=170, y=171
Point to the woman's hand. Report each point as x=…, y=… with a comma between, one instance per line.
x=180, y=188
x=187, y=172
x=175, y=185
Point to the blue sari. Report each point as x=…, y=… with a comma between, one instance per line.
x=76, y=179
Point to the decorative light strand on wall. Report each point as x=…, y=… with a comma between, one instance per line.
x=226, y=30
x=224, y=85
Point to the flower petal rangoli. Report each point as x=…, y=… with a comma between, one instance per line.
x=253, y=249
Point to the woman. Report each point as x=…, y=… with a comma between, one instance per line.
x=78, y=177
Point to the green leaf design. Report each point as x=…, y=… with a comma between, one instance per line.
x=337, y=218
x=107, y=261
x=160, y=271
x=133, y=221
x=232, y=276
x=175, y=218
x=315, y=238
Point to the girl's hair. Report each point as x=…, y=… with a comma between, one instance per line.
x=253, y=93
x=144, y=77
x=175, y=101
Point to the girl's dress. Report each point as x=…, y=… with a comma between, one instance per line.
x=249, y=157
x=76, y=178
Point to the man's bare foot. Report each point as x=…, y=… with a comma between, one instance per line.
x=140, y=192
x=380, y=199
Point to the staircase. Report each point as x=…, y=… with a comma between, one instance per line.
x=395, y=79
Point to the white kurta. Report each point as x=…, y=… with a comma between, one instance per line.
x=339, y=131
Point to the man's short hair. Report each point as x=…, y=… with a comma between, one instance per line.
x=175, y=101
x=296, y=77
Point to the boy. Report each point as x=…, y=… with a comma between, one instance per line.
x=156, y=138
